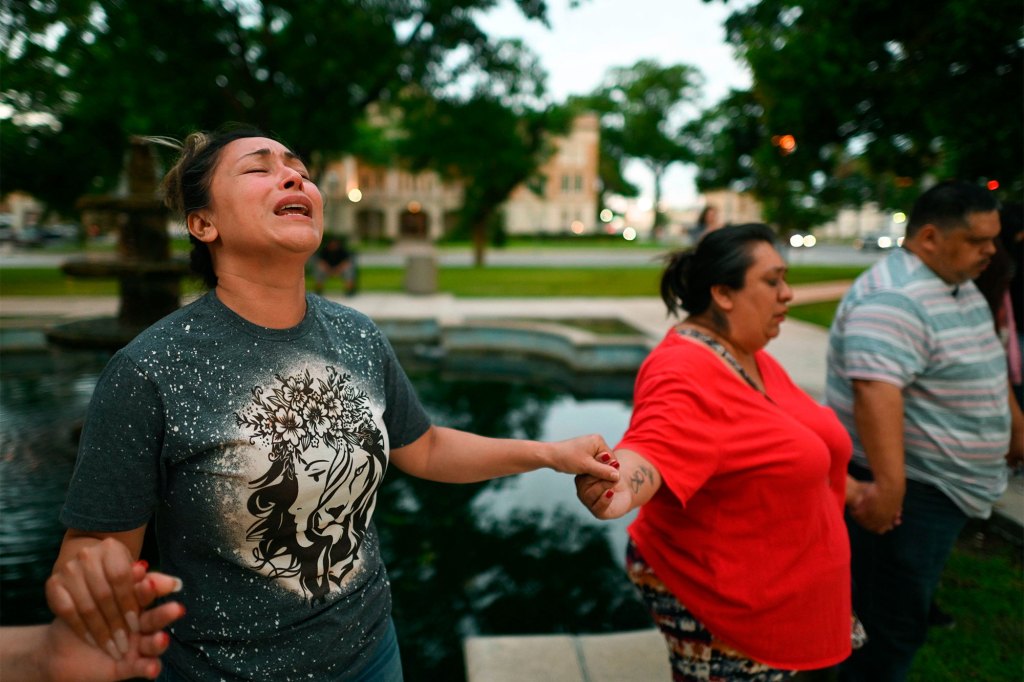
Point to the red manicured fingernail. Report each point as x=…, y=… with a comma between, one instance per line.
x=616, y=464
x=609, y=494
x=605, y=457
x=143, y=563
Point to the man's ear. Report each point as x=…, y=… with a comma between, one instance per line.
x=927, y=238
x=721, y=296
x=200, y=227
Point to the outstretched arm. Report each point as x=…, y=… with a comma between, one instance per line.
x=54, y=653
x=639, y=480
x=452, y=456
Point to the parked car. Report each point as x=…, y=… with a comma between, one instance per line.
x=878, y=241
x=36, y=236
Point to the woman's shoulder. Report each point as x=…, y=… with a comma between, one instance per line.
x=343, y=318
x=184, y=321
x=333, y=309
x=682, y=348
x=678, y=355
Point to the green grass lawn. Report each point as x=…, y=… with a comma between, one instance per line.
x=983, y=589
x=820, y=313
x=483, y=282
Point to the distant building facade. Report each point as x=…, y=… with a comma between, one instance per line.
x=20, y=211
x=368, y=202
x=859, y=222
x=570, y=190
x=734, y=208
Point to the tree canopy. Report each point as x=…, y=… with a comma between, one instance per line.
x=81, y=76
x=877, y=98
x=491, y=136
x=643, y=109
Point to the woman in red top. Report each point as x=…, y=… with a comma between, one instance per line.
x=739, y=549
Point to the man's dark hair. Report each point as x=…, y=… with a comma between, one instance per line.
x=947, y=205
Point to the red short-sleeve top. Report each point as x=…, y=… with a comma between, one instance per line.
x=747, y=529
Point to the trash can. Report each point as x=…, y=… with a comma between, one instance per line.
x=421, y=274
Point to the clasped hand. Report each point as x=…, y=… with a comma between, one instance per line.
x=874, y=507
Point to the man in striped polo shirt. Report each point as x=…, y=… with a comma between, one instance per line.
x=918, y=377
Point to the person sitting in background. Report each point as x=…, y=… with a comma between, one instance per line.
x=334, y=259
x=55, y=653
x=739, y=549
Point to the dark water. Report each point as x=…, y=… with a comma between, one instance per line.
x=518, y=555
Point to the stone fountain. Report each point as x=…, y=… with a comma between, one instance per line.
x=149, y=277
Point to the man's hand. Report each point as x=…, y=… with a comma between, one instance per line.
x=876, y=508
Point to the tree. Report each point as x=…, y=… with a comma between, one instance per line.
x=80, y=76
x=733, y=149
x=880, y=97
x=642, y=108
x=491, y=139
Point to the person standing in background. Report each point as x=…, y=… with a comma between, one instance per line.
x=1001, y=284
x=918, y=377
x=739, y=550
x=710, y=219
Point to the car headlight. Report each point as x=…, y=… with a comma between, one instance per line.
x=884, y=242
x=796, y=241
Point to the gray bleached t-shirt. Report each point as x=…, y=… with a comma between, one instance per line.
x=257, y=453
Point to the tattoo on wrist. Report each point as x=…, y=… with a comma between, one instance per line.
x=639, y=476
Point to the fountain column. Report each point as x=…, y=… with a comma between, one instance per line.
x=148, y=276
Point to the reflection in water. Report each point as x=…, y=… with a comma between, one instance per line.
x=42, y=401
x=517, y=555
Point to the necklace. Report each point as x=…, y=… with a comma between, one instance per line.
x=717, y=346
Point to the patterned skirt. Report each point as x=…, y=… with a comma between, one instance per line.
x=695, y=654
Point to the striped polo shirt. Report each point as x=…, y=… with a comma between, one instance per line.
x=902, y=324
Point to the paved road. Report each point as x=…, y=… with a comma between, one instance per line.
x=824, y=254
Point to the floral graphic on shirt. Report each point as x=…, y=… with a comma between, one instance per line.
x=326, y=458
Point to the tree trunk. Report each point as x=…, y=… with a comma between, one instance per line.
x=479, y=242
x=659, y=218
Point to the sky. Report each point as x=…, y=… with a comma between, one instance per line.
x=584, y=42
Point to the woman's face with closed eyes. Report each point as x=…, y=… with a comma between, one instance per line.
x=758, y=309
x=262, y=202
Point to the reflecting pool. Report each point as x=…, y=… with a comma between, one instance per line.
x=517, y=555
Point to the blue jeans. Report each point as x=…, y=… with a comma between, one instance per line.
x=894, y=580
x=384, y=664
